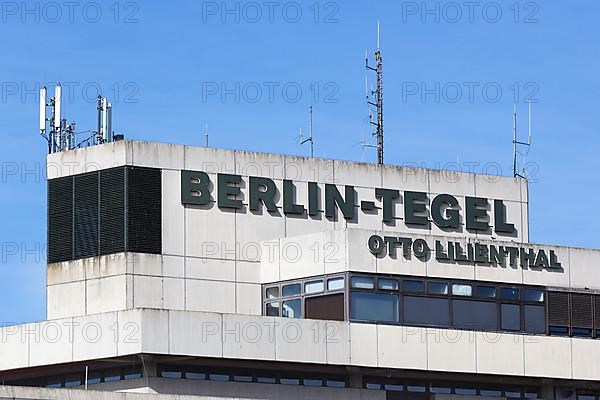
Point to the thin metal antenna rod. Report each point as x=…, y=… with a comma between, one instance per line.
x=378, y=69
x=206, y=135
x=516, y=143
x=309, y=139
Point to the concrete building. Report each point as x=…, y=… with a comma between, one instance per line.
x=190, y=272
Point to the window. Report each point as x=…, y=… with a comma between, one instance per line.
x=533, y=295
x=466, y=391
x=394, y=388
x=218, y=377
x=272, y=309
x=362, y=282
x=374, y=307
x=510, y=316
x=437, y=288
x=470, y=314
x=262, y=379
x=328, y=307
x=163, y=374
x=314, y=286
x=242, y=378
x=195, y=376
x=335, y=283
x=335, y=384
x=485, y=291
x=509, y=293
x=535, y=319
x=313, y=382
x=413, y=286
x=440, y=390
x=490, y=393
x=291, y=290
x=272, y=293
x=426, y=311
x=292, y=308
x=387, y=284
x=289, y=381
x=462, y=290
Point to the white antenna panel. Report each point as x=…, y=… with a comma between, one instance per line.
x=43, y=96
x=57, y=106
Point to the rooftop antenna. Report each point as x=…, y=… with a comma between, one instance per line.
x=206, y=135
x=309, y=139
x=517, y=143
x=376, y=127
x=53, y=127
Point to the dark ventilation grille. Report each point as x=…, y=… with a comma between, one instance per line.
x=86, y=215
x=330, y=307
x=558, y=309
x=60, y=219
x=581, y=310
x=112, y=211
x=104, y=212
x=597, y=311
x=144, y=210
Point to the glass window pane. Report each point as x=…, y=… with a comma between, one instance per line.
x=459, y=289
x=242, y=378
x=313, y=382
x=470, y=314
x=335, y=283
x=362, y=282
x=485, y=291
x=163, y=374
x=535, y=319
x=218, y=377
x=335, y=384
x=416, y=389
x=374, y=307
x=289, y=381
x=195, y=376
x=512, y=394
x=314, y=286
x=413, y=286
x=441, y=390
x=533, y=295
x=509, y=293
x=262, y=379
x=510, y=317
x=272, y=293
x=387, y=284
x=292, y=309
x=490, y=393
x=437, y=288
x=272, y=309
x=466, y=391
x=426, y=311
x=293, y=289
x=373, y=386
x=394, y=388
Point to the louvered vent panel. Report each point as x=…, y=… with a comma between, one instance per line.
x=112, y=211
x=60, y=219
x=597, y=311
x=86, y=215
x=144, y=233
x=558, y=308
x=581, y=310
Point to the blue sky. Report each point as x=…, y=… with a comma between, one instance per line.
x=451, y=77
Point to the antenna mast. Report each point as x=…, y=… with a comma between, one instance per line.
x=206, y=135
x=378, y=104
x=517, y=143
x=309, y=139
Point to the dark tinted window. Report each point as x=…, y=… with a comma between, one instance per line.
x=374, y=307
x=426, y=311
x=413, y=286
x=535, y=319
x=291, y=290
x=437, y=287
x=533, y=295
x=509, y=293
x=470, y=314
x=330, y=307
x=510, y=317
x=485, y=291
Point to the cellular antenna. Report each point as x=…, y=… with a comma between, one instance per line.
x=309, y=139
x=516, y=143
x=376, y=127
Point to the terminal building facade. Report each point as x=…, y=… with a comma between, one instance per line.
x=217, y=274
